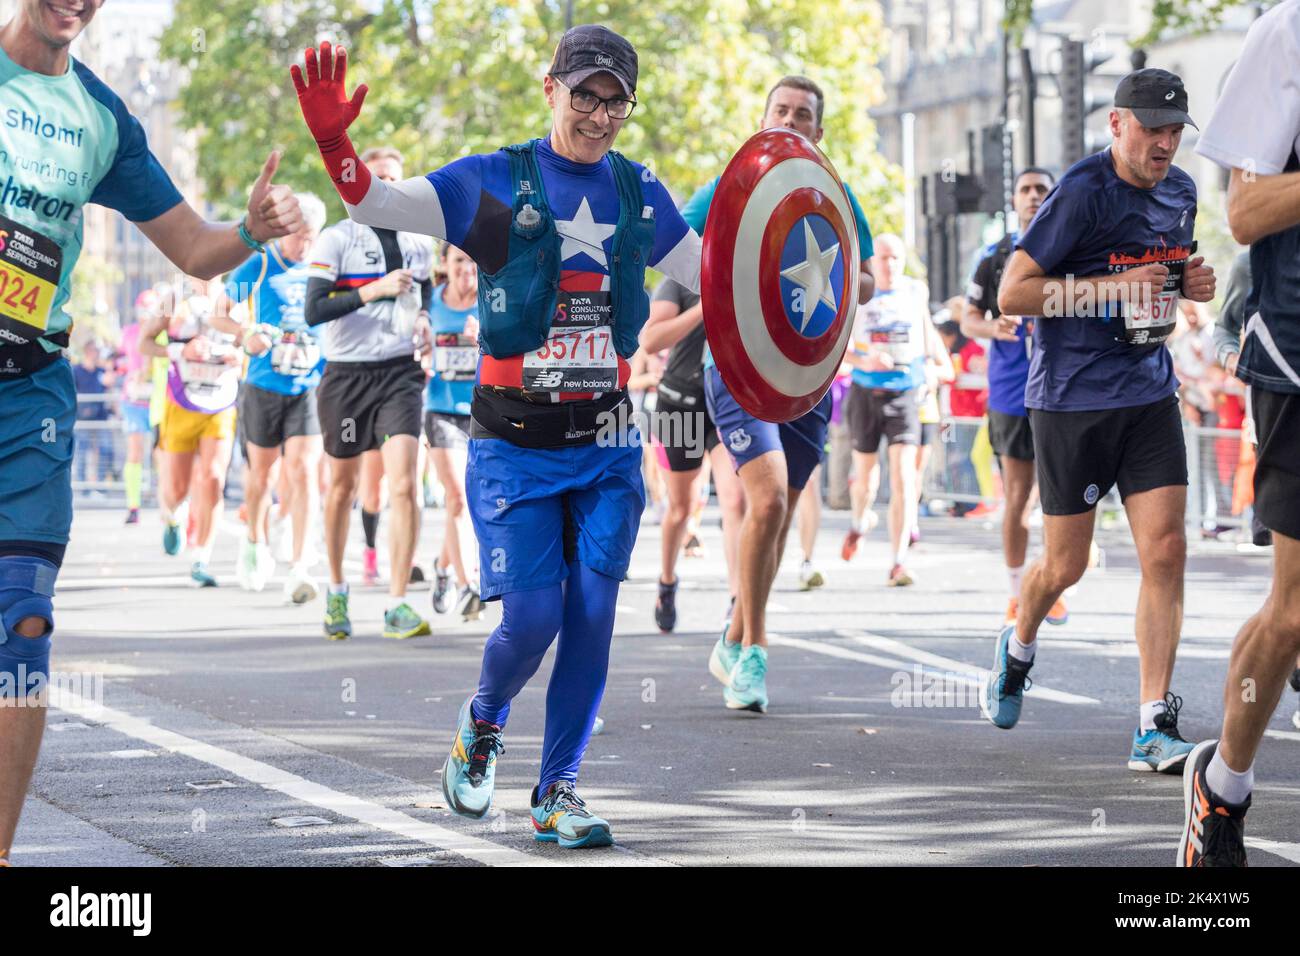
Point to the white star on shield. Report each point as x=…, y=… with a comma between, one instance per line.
x=814, y=274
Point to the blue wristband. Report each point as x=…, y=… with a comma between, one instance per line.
x=247, y=237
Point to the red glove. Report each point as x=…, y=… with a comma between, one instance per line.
x=328, y=112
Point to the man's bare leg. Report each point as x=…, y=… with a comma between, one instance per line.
x=400, y=454
x=21, y=730
x=345, y=477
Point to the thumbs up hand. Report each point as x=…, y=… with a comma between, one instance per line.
x=272, y=209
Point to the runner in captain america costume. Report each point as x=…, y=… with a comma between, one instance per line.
x=562, y=231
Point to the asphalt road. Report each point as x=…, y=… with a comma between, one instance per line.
x=200, y=727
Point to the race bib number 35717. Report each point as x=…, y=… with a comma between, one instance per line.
x=30, y=264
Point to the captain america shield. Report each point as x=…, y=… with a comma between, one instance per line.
x=779, y=275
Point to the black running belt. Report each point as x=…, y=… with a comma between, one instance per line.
x=392, y=251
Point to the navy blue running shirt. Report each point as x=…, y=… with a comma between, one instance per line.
x=1094, y=223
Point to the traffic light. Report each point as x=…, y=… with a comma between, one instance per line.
x=1077, y=104
x=995, y=168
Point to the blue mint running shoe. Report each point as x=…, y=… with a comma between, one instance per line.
x=723, y=657
x=1162, y=750
x=1004, y=690
x=200, y=576
x=470, y=770
x=747, y=689
x=172, y=539
x=338, y=626
x=562, y=817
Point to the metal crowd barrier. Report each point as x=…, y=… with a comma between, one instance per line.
x=1213, y=456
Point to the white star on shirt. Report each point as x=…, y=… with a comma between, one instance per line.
x=814, y=273
x=582, y=234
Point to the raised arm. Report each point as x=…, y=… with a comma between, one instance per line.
x=410, y=205
x=206, y=249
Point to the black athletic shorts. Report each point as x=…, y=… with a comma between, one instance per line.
x=686, y=431
x=1011, y=436
x=872, y=413
x=267, y=419
x=362, y=404
x=1277, y=460
x=930, y=432
x=1081, y=455
x=445, y=430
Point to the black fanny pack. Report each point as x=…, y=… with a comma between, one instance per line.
x=553, y=425
x=20, y=359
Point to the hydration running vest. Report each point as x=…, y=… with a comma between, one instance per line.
x=517, y=303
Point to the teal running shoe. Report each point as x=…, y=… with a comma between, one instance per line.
x=1162, y=750
x=469, y=772
x=200, y=576
x=562, y=817
x=1004, y=690
x=748, y=687
x=172, y=539
x=402, y=622
x=338, y=626
x=723, y=657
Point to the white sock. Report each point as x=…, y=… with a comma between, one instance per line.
x=394, y=603
x=1022, y=652
x=201, y=555
x=338, y=587
x=1013, y=578
x=900, y=554
x=1227, y=784
x=1147, y=714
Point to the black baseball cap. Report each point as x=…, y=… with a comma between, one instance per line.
x=1156, y=97
x=590, y=48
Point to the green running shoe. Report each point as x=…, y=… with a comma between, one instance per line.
x=561, y=816
x=402, y=622
x=748, y=687
x=172, y=539
x=469, y=772
x=338, y=627
x=200, y=576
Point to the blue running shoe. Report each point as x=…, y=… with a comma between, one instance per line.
x=747, y=689
x=562, y=817
x=470, y=770
x=200, y=576
x=172, y=539
x=1004, y=690
x=1162, y=750
x=723, y=657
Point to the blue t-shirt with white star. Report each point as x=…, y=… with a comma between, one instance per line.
x=474, y=197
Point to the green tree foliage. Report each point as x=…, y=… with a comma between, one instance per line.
x=1167, y=16
x=452, y=78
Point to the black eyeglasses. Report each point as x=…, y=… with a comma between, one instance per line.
x=585, y=101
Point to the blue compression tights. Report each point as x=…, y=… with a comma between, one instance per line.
x=581, y=611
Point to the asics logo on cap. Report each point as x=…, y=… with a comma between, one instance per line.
x=1171, y=94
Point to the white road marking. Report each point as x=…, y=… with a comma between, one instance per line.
x=1128, y=648
x=299, y=788
x=1283, y=734
x=960, y=670
x=1288, y=851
